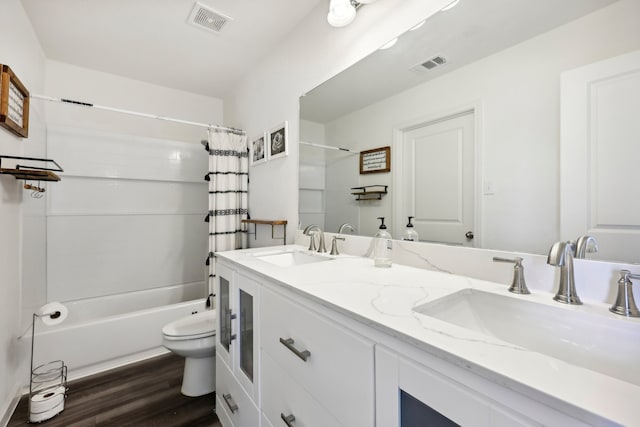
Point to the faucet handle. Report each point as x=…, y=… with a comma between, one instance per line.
x=334, y=245
x=518, y=285
x=625, y=305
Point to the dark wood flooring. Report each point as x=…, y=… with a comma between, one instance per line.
x=143, y=394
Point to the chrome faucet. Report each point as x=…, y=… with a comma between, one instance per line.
x=584, y=245
x=625, y=305
x=561, y=255
x=518, y=284
x=309, y=231
x=347, y=226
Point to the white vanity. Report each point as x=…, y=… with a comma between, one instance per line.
x=314, y=340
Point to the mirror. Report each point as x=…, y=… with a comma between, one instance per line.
x=501, y=61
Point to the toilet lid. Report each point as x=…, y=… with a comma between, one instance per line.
x=197, y=325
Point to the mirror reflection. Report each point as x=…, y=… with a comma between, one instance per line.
x=470, y=104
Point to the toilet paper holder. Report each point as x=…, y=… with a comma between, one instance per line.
x=47, y=382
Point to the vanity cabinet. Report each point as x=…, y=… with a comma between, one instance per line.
x=410, y=394
x=237, y=373
x=285, y=359
x=313, y=368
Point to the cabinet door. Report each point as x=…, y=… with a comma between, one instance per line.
x=246, y=345
x=224, y=336
x=412, y=395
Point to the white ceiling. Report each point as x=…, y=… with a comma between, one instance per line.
x=150, y=40
x=470, y=31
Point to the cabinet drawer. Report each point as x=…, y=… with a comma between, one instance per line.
x=287, y=398
x=234, y=401
x=334, y=354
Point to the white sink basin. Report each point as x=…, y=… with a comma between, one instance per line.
x=290, y=258
x=596, y=342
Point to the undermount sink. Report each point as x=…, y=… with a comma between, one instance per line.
x=596, y=342
x=290, y=258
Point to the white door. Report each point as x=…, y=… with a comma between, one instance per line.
x=600, y=156
x=438, y=180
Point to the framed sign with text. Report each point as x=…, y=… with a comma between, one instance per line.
x=14, y=103
x=376, y=160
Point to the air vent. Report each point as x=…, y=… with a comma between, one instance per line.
x=203, y=17
x=430, y=64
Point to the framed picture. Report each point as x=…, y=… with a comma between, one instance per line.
x=278, y=141
x=375, y=161
x=14, y=103
x=258, y=150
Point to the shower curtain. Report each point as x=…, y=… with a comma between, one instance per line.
x=228, y=193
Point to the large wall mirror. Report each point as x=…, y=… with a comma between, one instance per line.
x=472, y=104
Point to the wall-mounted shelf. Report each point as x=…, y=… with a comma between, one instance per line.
x=32, y=173
x=272, y=223
x=369, y=192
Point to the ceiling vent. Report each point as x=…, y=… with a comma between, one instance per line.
x=430, y=64
x=204, y=17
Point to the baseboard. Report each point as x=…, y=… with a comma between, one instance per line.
x=115, y=363
x=11, y=407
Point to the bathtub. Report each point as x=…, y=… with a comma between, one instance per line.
x=105, y=332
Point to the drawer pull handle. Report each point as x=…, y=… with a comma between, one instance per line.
x=288, y=419
x=304, y=354
x=230, y=403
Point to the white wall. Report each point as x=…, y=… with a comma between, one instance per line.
x=128, y=215
x=22, y=52
x=520, y=140
x=310, y=54
x=83, y=84
x=311, y=175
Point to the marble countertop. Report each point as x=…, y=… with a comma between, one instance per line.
x=384, y=298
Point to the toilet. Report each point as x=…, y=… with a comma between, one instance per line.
x=194, y=338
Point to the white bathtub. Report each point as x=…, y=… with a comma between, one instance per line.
x=105, y=332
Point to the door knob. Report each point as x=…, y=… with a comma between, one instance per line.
x=469, y=235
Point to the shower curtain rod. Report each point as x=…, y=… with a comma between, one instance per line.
x=328, y=147
x=135, y=113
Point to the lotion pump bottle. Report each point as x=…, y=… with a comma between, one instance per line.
x=382, y=246
x=410, y=234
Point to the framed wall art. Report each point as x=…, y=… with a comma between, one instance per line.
x=14, y=103
x=258, y=150
x=375, y=161
x=278, y=141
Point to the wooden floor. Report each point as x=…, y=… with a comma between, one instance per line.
x=144, y=394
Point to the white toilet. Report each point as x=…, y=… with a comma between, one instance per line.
x=194, y=338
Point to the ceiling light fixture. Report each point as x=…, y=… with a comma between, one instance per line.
x=343, y=12
x=389, y=44
x=450, y=5
x=418, y=25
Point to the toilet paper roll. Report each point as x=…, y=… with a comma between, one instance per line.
x=53, y=313
x=46, y=404
x=37, y=417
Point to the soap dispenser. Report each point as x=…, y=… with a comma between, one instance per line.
x=382, y=246
x=410, y=234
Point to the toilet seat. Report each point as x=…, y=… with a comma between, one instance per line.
x=199, y=325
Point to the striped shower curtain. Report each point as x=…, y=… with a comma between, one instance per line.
x=228, y=193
